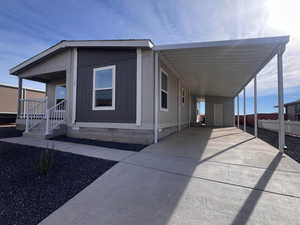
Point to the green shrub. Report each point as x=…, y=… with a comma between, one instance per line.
x=46, y=160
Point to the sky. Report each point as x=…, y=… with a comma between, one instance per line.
x=28, y=27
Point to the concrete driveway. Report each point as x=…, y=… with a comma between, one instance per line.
x=200, y=176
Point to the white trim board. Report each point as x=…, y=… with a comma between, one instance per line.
x=75, y=61
x=251, y=41
x=138, y=87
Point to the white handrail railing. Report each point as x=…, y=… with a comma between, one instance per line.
x=33, y=111
x=55, y=116
x=27, y=107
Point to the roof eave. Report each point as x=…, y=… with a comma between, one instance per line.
x=252, y=41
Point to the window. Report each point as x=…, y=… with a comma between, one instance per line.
x=297, y=107
x=104, y=88
x=163, y=91
x=182, y=95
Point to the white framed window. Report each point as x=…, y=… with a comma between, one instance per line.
x=163, y=90
x=104, y=79
x=182, y=95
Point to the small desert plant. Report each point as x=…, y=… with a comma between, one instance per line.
x=46, y=160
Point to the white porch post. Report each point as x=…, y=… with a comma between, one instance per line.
x=238, y=110
x=20, y=89
x=281, y=131
x=190, y=99
x=179, y=105
x=245, y=109
x=255, y=107
x=156, y=94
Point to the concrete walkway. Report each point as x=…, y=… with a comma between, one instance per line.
x=201, y=176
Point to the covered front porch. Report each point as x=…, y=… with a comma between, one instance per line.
x=45, y=113
x=55, y=71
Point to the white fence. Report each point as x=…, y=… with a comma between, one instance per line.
x=32, y=108
x=291, y=127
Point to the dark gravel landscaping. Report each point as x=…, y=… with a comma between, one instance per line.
x=6, y=132
x=106, y=144
x=26, y=196
x=271, y=137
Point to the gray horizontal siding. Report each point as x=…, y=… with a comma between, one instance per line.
x=125, y=105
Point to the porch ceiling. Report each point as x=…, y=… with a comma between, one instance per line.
x=220, y=68
x=46, y=77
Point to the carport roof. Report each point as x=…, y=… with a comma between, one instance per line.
x=221, y=68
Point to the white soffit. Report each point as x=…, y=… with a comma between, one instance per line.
x=220, y=68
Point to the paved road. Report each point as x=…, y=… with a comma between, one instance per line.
x=200, y=176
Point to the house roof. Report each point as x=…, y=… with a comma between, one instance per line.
x=221, y=68
x=131, y=43
x=292, y=103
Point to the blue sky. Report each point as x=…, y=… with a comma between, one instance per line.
x=28, y=27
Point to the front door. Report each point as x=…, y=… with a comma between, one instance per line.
x=218, y=115
x=60, y=93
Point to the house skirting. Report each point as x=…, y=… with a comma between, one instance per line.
x=135, y=136
x=166, y=131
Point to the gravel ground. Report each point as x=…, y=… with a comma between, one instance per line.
x=271, y=137
x=26, y=197
x=107, y=144
x=9, y=131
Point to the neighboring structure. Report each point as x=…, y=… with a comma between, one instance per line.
x=250, y=121
x=9, y=100
x=132, y=91
x=292, y=110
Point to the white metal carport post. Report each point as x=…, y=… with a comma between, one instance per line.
x=281, y=131
x=255, y=107
x=238, y=110
x=245, y=109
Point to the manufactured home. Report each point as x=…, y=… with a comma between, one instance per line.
x=134, y=91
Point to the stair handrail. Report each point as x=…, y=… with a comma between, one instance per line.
x=55, y=116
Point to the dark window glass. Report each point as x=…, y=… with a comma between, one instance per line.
x=164, y=100
x=103, y=98
x=164, y=81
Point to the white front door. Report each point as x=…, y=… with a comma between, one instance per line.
x=218, y=115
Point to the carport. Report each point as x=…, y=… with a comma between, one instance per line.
x=221, y=70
